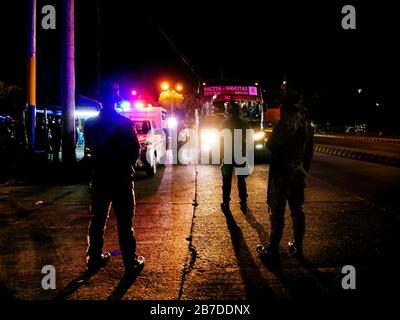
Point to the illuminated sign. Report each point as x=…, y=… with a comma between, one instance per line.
x=230, y=90
x=235, y=98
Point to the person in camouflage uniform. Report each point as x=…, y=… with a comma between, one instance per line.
x=290, y=148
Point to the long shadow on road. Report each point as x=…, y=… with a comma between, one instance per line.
x=300, y=279
x=74, y=286
x=296, y=284
x=122, y=287
x=255, y=286
x=262, y=234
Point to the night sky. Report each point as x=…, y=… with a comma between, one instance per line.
x=248, y=40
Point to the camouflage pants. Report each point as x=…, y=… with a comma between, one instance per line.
x=291, y=190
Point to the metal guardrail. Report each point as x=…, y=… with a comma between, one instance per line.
x=358, y=155
x=359, y=138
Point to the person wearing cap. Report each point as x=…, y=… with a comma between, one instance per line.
x=290, y=148
x=112, y=148
x=234, y=122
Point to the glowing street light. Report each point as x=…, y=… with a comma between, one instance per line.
x=172, y=91
x=179, y=87
x=164, y=86
x=134, y=92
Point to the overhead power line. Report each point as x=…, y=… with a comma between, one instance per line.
x=180, y=55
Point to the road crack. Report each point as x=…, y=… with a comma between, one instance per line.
x=192, y=252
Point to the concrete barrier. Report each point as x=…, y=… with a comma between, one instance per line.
x=358, y=155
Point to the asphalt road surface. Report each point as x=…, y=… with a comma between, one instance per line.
x=194, y=251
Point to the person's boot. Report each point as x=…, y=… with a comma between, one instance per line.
x=295, y=249
x=225, y=206
x=132, y=271
x=267, y=254
x=243, y=206
x=95, y=264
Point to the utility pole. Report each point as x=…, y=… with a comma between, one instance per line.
x=31, y=125
x=98, y=43
x=68, y=83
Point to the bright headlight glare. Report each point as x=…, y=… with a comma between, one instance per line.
x=259, y=135
x=209, y=136
x=206, y=147
x=172, y=123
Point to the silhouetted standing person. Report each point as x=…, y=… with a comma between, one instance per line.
x=113, y=148
x=229, y=165
x=56, y=136
x=291, y=149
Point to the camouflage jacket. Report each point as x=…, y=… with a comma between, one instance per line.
x=290, y=145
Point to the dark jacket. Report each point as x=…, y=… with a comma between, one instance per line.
x=231, y=124
x=111, y=144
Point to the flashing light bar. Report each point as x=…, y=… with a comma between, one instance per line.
x=86, y=113
x=139, y=105
x=125, y=105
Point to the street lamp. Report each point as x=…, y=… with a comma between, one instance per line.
x=164, y=86
x=179, y=87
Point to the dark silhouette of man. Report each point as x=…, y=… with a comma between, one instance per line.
x=56, y=137
x=228, y=165
x=112, y=148
x=291, y=149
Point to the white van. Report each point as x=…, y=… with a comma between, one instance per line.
x=152, y=145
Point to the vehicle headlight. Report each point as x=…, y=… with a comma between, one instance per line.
x=206, y=147
x=259, y=135
x=209, y=136
x=172, y=123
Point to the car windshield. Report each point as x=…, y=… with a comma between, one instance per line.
x=142, y=127
x=218, y=107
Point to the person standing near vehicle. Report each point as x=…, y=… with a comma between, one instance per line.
x=229, y=165
x=56, y=138
x=291, y=149
x=112, y=147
